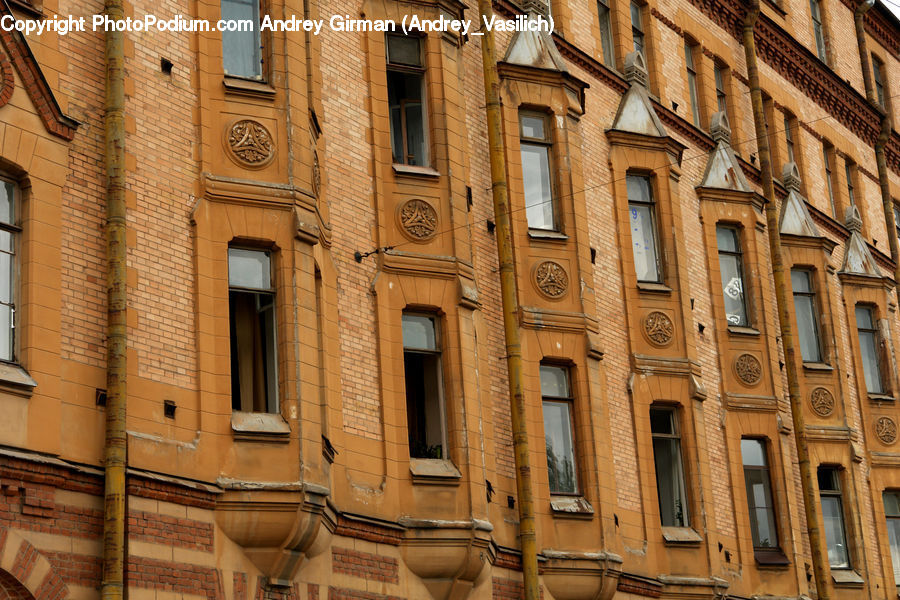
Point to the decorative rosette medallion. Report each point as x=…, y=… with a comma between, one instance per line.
x=748, y=369
x=250, y=144
x=551, y=279
x=822, y=402
x=886, y=430
x=418, y=220
x=659, y=328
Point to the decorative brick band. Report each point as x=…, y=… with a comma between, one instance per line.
x=363, y=564
x=370, y=532
x=176, y=577
x=184, y=533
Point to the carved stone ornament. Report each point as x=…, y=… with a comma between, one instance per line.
x=418, y=219
x=659, y=328
x=748, y=369
x=251, y=143
x=317, y=174
x=886, y=430
x=551, y=279
x=822, y=402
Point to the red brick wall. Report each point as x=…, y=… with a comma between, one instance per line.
x=363, y=564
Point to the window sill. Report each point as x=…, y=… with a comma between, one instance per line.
x=248, y=87
x=571, y=506
x=881, y=398
x=817, y=366
x=414, y=171
x=16, y=380
x=434, y=471
x=770, y=558
x=681, y=536
x=774, y=6
x=847, y=578
x=745, y=331
x=260, y=427
x=653, y=288
x=546, y=235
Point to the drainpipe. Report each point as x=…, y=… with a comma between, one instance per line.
x=500, y=192
x=784, y=318
x=113, y=577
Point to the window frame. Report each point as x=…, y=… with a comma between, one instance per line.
x=272, y=385
x=828, y=157
x=679, y=470
x=547, y=145
x=262, y=45
x=879, y=79
x=14, y=229
x=607, y=41
x=817, y=326
x=438, y=353
x=738, y=254
x=789, y=121
x=893, y=518
x=850, y=172
x=690, y=49
x=654, y=226
x=637, y=28
x=719, y=75
x=569, y=402
x=838, y=495
x=818, y=23
x=420, y=71
x=877, y=349
x=754, y=526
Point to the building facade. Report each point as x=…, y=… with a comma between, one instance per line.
x=317, y=401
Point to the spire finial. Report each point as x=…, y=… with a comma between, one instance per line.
x=719, y=128
x=790, y=177
x=636, y=69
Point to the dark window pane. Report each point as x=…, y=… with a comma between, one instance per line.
x=241, y=52
x=832, y=514
x=418, y=332
x=673, y=510
x=560, y=450
x=554, y=382
x=404, y=50
x=538, y=191
x=249, y=269
x=609, y=58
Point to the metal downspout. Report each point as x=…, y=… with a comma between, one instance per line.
x=784, y=317
x=114, y=454
x=500, y=192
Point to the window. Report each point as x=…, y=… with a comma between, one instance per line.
x=805, y=311
x=536, y=178
x=732, y=271
x=721, y=96
x=892, y=514
x=558, y=430
x=606, y=36
x=689, y=49
x=878, y=72
x=251, y=310
x=789, y=136
x=637, y=29
x=763, y=527
x=424, y=386
x=642, y=221
x=828, y=158
x=897, y=222
x=673, y=507
x=406, y=98
x=833, y=516
x=849, y=171
x=868, y=348
x=8, y=235
x=242, y=50
x=815, y=9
